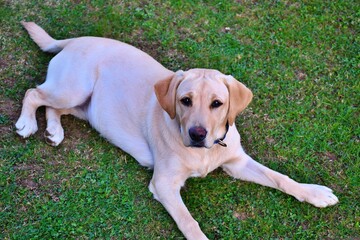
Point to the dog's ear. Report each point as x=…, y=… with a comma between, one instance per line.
x=165, y=91
x=240, y=97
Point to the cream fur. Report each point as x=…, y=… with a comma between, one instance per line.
x=135, y=102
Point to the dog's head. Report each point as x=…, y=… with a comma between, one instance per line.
x=203, y=101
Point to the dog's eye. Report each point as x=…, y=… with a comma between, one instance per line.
x=186, y=101
x=216, y=104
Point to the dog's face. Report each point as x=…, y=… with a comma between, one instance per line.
x=201, y=104
x=203, y=101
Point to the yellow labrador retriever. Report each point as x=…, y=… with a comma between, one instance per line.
x=180, y=124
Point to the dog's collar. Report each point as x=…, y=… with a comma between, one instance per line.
x=220, y=140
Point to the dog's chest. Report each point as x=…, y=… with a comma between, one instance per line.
x=202, y=165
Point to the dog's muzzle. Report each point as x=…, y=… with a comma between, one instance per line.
x=198, y=135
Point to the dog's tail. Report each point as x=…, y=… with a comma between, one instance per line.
x=43, y=39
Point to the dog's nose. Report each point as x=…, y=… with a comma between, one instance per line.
x=197, y=134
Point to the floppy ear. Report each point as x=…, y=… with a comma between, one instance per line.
x=240, y=97
x=165, y=91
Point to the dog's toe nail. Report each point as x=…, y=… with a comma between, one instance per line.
x=19, y=128
x=47, y=134
x=49, y=141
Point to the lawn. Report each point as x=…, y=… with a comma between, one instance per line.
x=300, y=58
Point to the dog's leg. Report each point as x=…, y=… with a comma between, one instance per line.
x=54, y=133
x=245, y=168
x=166, y=190
x=55, y=94
x=26, y=124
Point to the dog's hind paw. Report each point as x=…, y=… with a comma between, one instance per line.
x=54, y=135
x=319, y=196
x=26, y=127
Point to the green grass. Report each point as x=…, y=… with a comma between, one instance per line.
x=302, y=62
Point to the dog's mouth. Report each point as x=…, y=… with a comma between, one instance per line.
x=200, y=144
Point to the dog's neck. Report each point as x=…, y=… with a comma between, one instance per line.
x=220, y=141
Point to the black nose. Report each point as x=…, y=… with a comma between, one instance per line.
x=197, y=134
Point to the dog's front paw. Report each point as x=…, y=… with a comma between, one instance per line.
x=54, y=135
x=317, y=195
x=26, y=127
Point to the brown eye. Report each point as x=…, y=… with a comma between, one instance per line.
x=216, y=104
x=186, y=101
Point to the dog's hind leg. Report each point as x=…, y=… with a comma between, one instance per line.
x=64, y=88
x=26, y=124
x=54, y=133
x=53, y=99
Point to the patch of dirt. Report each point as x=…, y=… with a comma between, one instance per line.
x=3, y=65
x=29, y=183
x=76, y=132
x=241, y=216
x=327, y=156
x=331, y=156
x=30, y=174
x=8, y=82
x=8, y=111
x=29, y=171
x=31, y=179
x=270, y=140
x=150, y=47
x=175, y=59
x=300, y=75
x=28, y=167
x=171, y=58
x=6, y=65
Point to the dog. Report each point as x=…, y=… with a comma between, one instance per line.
x=181, y=124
